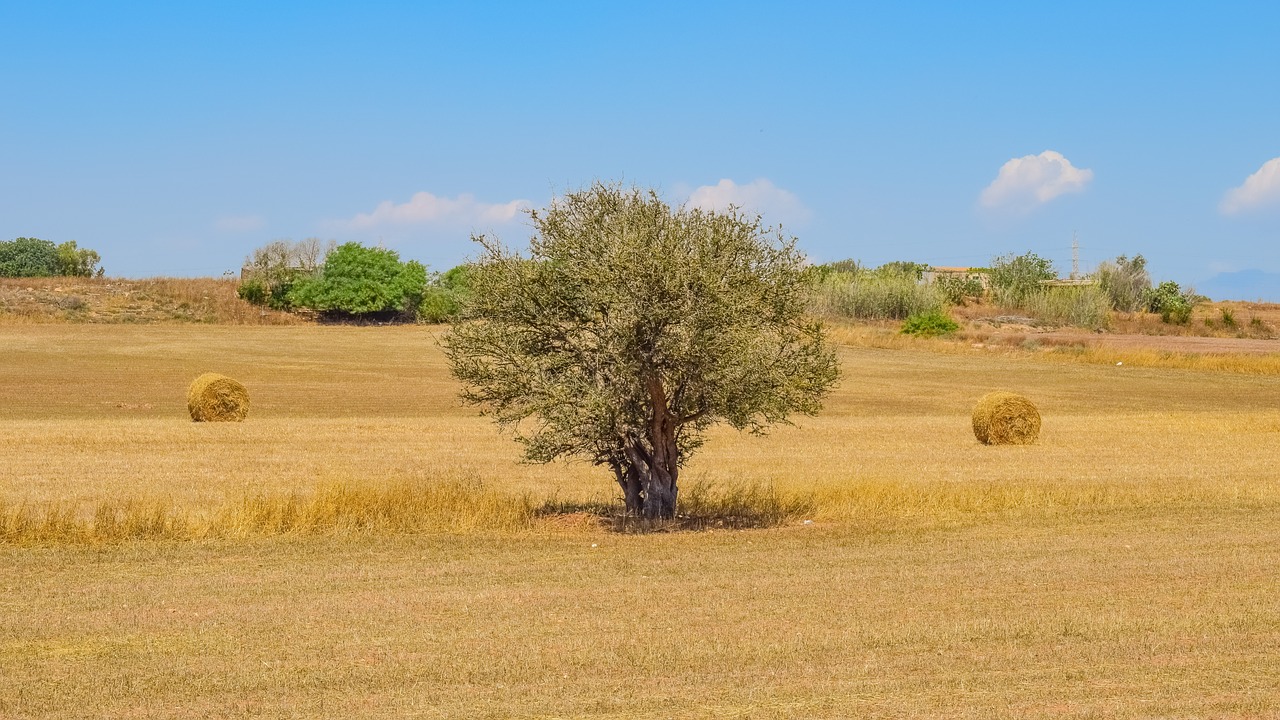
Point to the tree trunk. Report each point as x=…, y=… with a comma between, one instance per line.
x=660, y=493
x=632, y=490
x=658, y=465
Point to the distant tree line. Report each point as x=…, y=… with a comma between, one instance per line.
x=33, y=257
x=352, y=280
x=1025, y=283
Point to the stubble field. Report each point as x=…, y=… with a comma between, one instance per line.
x=1125, y=566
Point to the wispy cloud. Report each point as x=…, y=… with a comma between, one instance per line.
x=425, y=208
x=240, y=223
x=1032, y=180
x=1258, y=190
x=758, y=196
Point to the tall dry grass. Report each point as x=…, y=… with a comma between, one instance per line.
x=332, y=508
x=403, y=508
x=345, y=509
x=867, y=295
x=1085, y=306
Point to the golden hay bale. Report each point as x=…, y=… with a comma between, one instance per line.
x=217, y=398
x=1005, y=418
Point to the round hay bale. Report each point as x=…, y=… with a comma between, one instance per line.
x=1005, y=418
x=217, y=398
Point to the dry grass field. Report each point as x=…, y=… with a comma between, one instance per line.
x=1124, y=566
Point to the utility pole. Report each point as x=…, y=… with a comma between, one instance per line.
x=1075, y=256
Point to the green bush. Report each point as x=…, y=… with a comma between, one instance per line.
x=818, y=273
x=930, y=324
x=356, y=280
x=252, y=290
x=28, y=257
x=1016, y=277
x=873, y=296
x=33, y=257
x=1171, y=302
x=959, y=289
x=914, y=270
x=444, y=296
x=74, y=261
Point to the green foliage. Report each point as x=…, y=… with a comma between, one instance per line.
x=873, y=296
x=1126, y=282
x=28, y=257
x=1015, y=277
x=358, y=280
x=930, y=324
x=1086, y=306
x=33, y=257
x=77, y=262
x=818, y=273
x=631, y=329
x=1229, y=319
x=904, y=268
x=253, y=290
x=273, y=269
x=445, y=295
x=959, y=289
x=1171, y=302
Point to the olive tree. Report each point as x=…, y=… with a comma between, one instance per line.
x=632, y=327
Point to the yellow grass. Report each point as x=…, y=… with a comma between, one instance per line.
x=363, y=546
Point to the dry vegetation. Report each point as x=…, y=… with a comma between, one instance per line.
x=362, y=546
x=26, y=301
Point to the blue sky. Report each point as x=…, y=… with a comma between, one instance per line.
x=175, y=138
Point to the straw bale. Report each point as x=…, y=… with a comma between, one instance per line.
x=1005, y=418
x=217, y=398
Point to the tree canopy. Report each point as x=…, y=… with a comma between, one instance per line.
x=358, y=280
x=33, y=257
x=631, y=328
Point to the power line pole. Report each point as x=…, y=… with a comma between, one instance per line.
x=1075, y=256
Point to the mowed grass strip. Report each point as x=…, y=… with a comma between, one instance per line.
x=1135, y=615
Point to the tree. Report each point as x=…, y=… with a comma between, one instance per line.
x=1126, y=282
x=357, y=280
x=1016, y=277
x=28, y=257
x=77, y=262
x=631, y=329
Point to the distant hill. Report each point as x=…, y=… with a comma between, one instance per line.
x=1242, y=285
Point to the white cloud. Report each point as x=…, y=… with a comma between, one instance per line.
x=426, y=209
x=240, y=223
x=759, y=196
x=1033, y=180
x=1258, y=190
